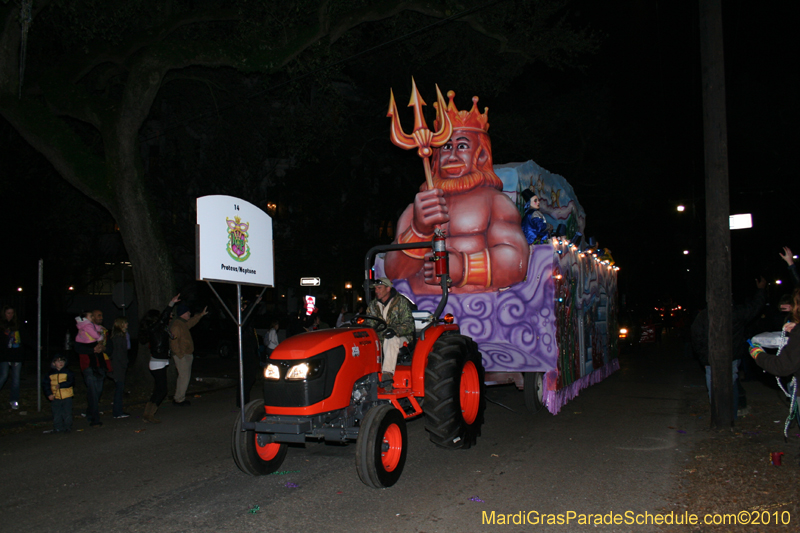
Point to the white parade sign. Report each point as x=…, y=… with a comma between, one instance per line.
x=234, y=242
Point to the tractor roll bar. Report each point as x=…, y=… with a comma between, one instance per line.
x=443, y=280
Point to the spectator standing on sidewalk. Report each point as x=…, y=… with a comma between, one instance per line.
x=57, y=385
x=89, y=346
x=340, y=320
x=118, y=348
x=154, y=331
x=271, y=337
x=741, y=316
x=787, y=361
x=182, y=347
x=11, y=353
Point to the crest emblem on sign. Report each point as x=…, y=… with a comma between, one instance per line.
x=238, y=248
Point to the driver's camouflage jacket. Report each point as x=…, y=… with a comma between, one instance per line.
x=399, y=315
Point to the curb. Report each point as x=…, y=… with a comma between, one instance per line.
x=222, y=384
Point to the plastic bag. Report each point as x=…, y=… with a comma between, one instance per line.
x=770, y=339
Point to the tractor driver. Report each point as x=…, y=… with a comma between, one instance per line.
x=395, y=309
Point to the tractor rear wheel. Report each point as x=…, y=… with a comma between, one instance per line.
x=251, y=456
x=533, y=390
x=381, y=447
x=454, y=392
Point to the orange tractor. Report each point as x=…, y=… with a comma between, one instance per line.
x=326, y=385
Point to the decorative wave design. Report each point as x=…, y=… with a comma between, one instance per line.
x=515, y=328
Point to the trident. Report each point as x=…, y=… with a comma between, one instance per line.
x=421, y=138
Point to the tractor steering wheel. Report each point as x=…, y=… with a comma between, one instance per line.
x=379, y=327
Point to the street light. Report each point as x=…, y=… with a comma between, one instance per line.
x=681, y=208
x=352, y=297
x=686, y=252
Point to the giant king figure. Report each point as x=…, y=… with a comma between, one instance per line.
x=488, y=250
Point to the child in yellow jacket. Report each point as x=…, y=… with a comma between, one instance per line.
x=57, y=386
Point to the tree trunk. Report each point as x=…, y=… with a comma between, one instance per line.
x=718, y=237
x=139, y=225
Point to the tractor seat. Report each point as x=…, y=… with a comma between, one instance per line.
x=405, y=354
x=422, y=319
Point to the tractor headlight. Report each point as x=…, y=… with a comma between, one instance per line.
x=304, y=371
x=297, y=372
x=272, y=372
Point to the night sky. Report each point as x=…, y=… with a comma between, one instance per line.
x=625, y=130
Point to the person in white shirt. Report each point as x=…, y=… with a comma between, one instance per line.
x=271, y=338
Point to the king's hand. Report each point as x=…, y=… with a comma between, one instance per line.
x=456, y=268
x=430, y=209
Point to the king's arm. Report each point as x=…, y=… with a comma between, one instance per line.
x=506, y=244
x=406, y=263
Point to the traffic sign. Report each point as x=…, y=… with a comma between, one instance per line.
x=309, y=282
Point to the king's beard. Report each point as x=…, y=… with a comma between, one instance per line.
x=468, y=182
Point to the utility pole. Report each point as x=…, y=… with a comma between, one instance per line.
x=718, y=237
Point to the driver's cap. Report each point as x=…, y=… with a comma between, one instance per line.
x=381, y=281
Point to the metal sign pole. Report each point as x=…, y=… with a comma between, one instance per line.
x=241, y=351
x=123, y=284
x=239, y=323
x=39, y=339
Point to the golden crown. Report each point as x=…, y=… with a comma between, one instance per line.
x=463, y=120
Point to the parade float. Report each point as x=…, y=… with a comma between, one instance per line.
x=494, y=305
x=543, y=314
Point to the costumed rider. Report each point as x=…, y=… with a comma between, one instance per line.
x=395, y=309
x=534, y=225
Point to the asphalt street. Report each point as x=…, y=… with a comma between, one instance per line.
x=617, y=447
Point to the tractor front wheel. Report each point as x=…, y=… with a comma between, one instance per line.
x=253, y=456
x=381, y=447
x=454, y=392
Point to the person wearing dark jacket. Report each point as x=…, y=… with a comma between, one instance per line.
x=741, y=316
x=118, y=351
x=57, y=385
x=787, y=361
x=154, y=330
x=11, y=353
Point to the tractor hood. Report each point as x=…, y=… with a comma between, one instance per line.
x=314, y=372
x=307, y=344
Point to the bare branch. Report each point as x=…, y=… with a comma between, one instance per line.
x=137, y=42
x=71, y=158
